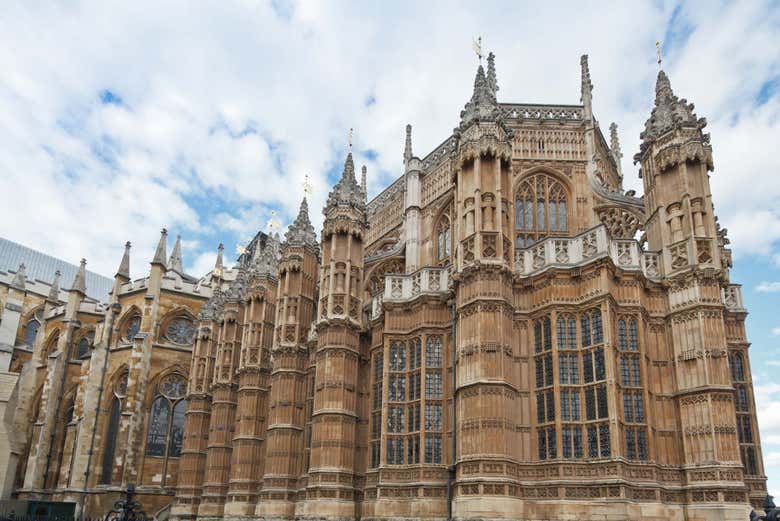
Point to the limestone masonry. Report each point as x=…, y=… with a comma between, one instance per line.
x=503, y=333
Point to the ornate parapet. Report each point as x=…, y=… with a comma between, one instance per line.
x=570, y=252
x=404, y=288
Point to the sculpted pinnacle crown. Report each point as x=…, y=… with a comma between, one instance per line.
x=347, y=191
x=301, y=232
x=669, y=113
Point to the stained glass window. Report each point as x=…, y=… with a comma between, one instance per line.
x=395, y=451
x=585, y=330
x=413, y=449
x=540, y=209
x=415, y=354
x=166, y=418
x=180, y=331
x=157, y=438
x=31, y=331
x=433, y=351
x=432, y=417
x=84, y=346
x=433, y=448
x=112, y=430
x=132, y=327
x=396, y=390
x=433, y=385
x=397, y=356
x=737, y=368
x=742, y=399
x=395, y=419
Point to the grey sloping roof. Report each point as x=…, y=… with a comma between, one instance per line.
x=42, y=267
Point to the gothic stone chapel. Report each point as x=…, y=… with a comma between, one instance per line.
x=502, y=333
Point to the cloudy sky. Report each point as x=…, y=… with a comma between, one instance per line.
x=119, y=118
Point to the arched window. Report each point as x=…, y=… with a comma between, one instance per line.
x=737, y=368
x=32, y=327
x=112, y=428
x=443, y=239
x=540, y=209
x=83, y=346
x=180, y=330
x=131, y=328
x=166, y=419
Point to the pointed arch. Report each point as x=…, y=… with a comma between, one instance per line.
x=32, y=322
x=129, y=324
x=442, y=234
x=542, y=206
x=83, y=342
x=116, y=389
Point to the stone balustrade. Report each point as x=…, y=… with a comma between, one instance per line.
x=568, y=252
x=425, y=281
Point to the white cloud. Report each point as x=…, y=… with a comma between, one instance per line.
x=776, y=331
x=768, y=287
x=225, y=108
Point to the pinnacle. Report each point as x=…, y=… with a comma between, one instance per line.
x=80, y=281
x=124, y=265
x=175, y=261
x=159, y=254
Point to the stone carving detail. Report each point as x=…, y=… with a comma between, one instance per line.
x=538, y=256
x=651, y=264
x=624, y=254
x=562, y=251
x=589, y=245
x=704, y=251
x=489, y=246
x=620, y=223
x=396, y=287
x=679, y=255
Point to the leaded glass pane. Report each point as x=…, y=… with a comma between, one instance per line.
x=173, y=386
x=598, y=358
x=132, y=328
x=415, y=354
x=633, y=345
x=622, y=335
x=433, y=351
x=432, y=417
x=432, y=448
x=112, y=430
x=598, y=331
x=157, y=436
x=31, y=331
x=593, y=442
x=587, y=367
x=180, y=331
x=397, y=356
x=433, y=385
x=547, y=334
x=395, y=419
x=585, y=327
x=396, y=390
x=177, y=429
x=604, y=440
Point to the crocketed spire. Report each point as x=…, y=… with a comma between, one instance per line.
x=54, y=290
x=301, y=232
x=159, y=254
x=218, y=265
x=408, y=144
x=669, y=113
x=80, y=281
x=586, y=87
x=175, y=261
x=124, y=265
x=491, y=74
x=483, y=105
x=347, y=191
x=614, y=145
x=238, y=289
x=20, y=278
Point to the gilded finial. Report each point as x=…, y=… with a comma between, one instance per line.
x=273, y=223
x=477, y=46
x=658, y=51
x=307, y=188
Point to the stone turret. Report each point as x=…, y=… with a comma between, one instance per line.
x=20, y=278
x=339, y=322
x=296, y=305
x=175, y=261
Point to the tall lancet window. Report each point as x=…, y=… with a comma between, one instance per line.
x=119, y=390
x=166, y=420
x=443, y=239
x=540, y=209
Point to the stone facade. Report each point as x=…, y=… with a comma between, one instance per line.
x=503, y=333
